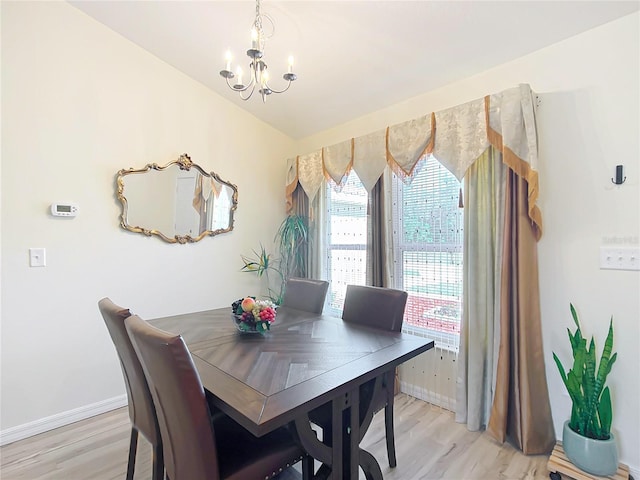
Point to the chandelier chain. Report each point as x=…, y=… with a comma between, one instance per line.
x=258, y=21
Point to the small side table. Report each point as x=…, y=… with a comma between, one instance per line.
x=559, y=465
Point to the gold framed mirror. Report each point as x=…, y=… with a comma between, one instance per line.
x=178, y=202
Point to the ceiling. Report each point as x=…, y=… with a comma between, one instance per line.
x=351, y=57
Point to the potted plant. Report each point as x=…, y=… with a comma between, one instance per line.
x=586, y=438
x=261, y=264
x=292, y=238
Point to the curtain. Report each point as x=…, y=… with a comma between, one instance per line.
x=317, y=237
x=376, y=242
x=521, y=411
x=501, y=383
x=456, y=137
x=480, y=326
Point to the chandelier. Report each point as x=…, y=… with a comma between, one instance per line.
x=258, y=72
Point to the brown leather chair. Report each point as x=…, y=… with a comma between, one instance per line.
x=197, y=446
x=375, y=307
x=305, y=294
x=381, y=308
x=141, y=410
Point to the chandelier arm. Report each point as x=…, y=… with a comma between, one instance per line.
x=253, y=87
x=232, y=87
x=279, y=91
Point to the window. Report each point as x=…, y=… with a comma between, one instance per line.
x=428, y=251
x=346, y=226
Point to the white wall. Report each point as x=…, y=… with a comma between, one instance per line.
x=588, y=123
x=79, y=102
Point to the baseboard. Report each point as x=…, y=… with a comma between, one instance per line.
x=635, y=472
x=20, y=432
x=428, y=396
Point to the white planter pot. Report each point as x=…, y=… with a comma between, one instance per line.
x=598, y=457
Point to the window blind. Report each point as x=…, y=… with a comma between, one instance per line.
x=346, y=239
x=427, y=224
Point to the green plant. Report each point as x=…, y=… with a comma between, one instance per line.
x=292, y=238
x=261, y=264
x=591, y=413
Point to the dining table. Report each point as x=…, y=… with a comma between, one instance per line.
x=265, y=381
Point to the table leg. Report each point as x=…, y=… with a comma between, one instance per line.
x=338, y=444
x=368, y=415
x=345, y=439
x=341, y=455
x=351, y=435
x=307, y=438
x=370, y=466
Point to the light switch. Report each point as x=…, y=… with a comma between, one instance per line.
x=620, y=258
x=37, y=257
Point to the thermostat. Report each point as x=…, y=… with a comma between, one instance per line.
x=64, y=209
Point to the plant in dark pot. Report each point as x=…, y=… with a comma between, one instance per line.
x=586, y=438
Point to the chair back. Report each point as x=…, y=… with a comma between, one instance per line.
x=305, y=294
x=141, y=409
x=183, y=415
x=375, y=307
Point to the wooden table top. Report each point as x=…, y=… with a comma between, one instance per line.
x=305, y=360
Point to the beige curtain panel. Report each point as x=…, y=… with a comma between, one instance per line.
x=456, y=137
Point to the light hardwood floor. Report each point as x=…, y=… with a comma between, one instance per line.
x=429, y=445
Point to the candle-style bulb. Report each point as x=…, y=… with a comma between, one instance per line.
x=228, y=58
x=254, y=38
x=239, y=76
x=290, y=70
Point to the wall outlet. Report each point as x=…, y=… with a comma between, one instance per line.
x=37, y=257
x=619, y=258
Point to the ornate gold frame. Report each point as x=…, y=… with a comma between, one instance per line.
x=184, y=162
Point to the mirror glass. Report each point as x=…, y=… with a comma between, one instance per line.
x=178, y=202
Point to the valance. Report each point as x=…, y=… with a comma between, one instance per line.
x=456, y=137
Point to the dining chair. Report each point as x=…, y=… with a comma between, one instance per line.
x=196, y=445
x=305, y=294
x=142, y=413
x=381, y=308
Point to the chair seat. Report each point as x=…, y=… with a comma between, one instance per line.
x=243, y=456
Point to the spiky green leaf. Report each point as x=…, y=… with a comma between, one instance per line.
x=605, y=413
x=588, y=383
x=574, y=315
x=561, y=369
x=605, y=360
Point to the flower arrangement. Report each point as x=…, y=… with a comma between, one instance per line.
x=251, y=315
